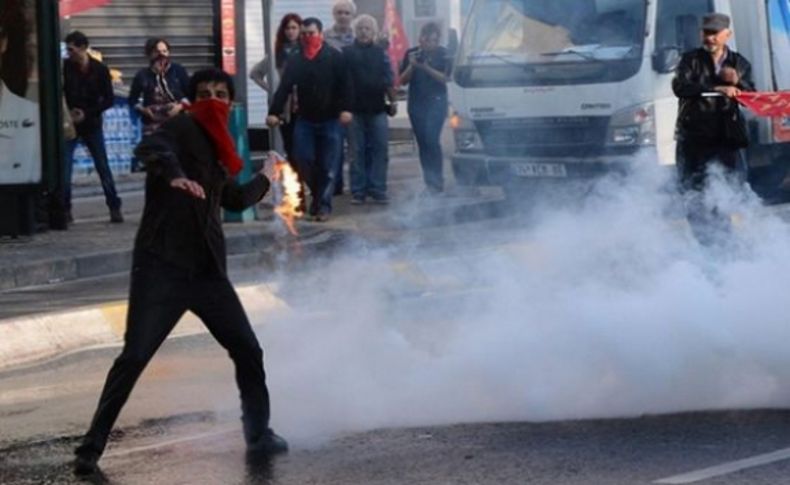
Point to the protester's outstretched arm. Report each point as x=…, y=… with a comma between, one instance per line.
x=237, y=197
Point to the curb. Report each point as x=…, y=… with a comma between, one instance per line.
x=32, y=339
x=99, y=264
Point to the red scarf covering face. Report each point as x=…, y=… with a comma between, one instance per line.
x=213, y=115
x=311, y=45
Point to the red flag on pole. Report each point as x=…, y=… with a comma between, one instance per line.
x=767, y=104
x=398, y=43
x=70, y=7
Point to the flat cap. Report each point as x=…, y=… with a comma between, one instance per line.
x=715, y=22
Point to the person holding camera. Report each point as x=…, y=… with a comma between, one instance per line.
x=373, y=98
x=426, y=69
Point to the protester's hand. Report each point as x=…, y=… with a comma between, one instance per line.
x=729, y=91
x=175, y=109
x=77, y=116
x=272, y=121
x=190, y=186
x=392, y=109
x=346, y=118
x=730, y=76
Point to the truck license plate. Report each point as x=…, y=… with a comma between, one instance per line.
x=539, y=170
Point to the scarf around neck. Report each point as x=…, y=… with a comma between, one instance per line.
x=212, y=115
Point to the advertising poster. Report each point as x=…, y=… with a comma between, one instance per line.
x=20, y=133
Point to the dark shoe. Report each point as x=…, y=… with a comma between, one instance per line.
x=357, y=200
x=269, y=444
x=116, y=216
x=86, y=464
x=322, y=218
x=381, y=200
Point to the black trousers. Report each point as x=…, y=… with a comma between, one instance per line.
x=708, y=224
x=160, y=294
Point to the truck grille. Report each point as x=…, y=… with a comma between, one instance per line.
x=544, y=136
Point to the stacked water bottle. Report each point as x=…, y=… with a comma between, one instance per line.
x=121, y=135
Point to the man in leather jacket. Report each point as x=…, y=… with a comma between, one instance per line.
x=711, y=129
x=179, y=262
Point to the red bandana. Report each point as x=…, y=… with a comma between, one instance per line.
x=213, y=115
x=311, y=45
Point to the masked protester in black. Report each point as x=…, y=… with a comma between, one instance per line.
x=179, y=262
x=710, y=129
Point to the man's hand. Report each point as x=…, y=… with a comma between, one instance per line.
x=729, y=91
x=730, y=76
x=414, y=59
x=147, y=113
x=272, y=121
x=346, y=118
x=77, y=116
x=392, y=109
x=190, y=186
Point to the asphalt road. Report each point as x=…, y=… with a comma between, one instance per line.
x=411, y=353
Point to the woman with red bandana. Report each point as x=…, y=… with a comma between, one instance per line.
x=319, y=77
x=179, y=262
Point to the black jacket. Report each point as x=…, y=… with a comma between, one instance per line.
x=323, y=87
x=371, y=77
x=711, y=120
x=90, y=91
x=177, y=227
x=145, y=85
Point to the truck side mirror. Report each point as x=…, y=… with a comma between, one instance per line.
x=666, y=59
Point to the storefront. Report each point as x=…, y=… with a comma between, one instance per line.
x=29, y=146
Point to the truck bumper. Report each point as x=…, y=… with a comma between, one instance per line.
x=481, y=169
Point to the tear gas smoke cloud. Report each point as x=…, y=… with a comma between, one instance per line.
x=601, y=309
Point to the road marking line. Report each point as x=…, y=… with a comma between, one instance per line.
x=165, y=444
x=727, y=468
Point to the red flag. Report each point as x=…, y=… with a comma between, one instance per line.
x=767, y=104
x=397, y=37
x=70, y=7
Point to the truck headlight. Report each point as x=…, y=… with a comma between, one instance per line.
x=467, y=139
x=633, y=126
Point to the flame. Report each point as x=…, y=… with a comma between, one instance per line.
x=286, y=192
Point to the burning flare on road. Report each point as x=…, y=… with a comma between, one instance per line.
x=286, y=192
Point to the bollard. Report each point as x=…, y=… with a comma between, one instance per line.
x=238, y=130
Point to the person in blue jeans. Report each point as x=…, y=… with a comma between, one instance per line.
x=319, y=78
x=426, y=70
x=374, y=97
x=88, y=89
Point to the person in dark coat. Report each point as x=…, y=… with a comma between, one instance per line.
x=710, y=129
x=179, y=262
x=374, y=98
x=87, y=86
x=322, y=87
x=158, y=91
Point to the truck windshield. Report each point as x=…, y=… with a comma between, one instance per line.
x=538, y=42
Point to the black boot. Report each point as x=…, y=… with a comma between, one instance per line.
x=86, y=464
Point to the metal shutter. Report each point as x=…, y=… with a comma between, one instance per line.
x=120, y=29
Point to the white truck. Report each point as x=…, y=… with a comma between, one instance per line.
x=572, y=88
